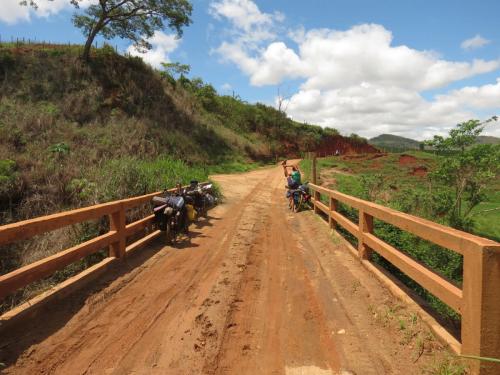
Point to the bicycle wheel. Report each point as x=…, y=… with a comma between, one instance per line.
x=168, y=233
x=298, y=205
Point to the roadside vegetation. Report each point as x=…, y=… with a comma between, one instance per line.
x=457, y=185
x=74, y=134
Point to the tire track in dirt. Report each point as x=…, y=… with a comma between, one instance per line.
x=257, y=290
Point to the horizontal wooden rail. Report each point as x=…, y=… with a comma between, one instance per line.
x=29, y=228
x=115, y=238
x=434, y=283
x=479, y=300
x=345, y=222
x=35, y=271
x=441, y=235
x=139, y=225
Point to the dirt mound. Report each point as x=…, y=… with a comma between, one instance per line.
x=353, y=157
x=420, y=171
x=377, y=155
x=407, y=159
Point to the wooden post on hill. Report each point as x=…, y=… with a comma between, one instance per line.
x=313, y=158
x=315, y=181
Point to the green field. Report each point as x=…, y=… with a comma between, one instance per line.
x=401, y=181
x=397, y=180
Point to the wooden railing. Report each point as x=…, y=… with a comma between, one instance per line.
x=478, y=301
x=115, y=239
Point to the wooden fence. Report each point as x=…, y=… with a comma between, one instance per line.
x=478, y=301
x=115, y=239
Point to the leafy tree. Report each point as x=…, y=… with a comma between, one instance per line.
x=466, y=169
x=175, y=69
x=357, y=139
x=136, y=20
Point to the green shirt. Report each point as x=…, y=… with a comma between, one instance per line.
x=296, y=177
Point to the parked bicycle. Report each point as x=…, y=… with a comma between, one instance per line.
x=298, y=198
x=171, y=214
x=201, y=196
x=175, y=211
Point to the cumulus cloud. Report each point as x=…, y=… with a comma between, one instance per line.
x=356, y=80
x=13, y=13
x=163, y=44
x=482, y=97
x=475, y=42
x=250, y=24
x=370, y=110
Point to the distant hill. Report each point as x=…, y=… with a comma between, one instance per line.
x=394, y=141
x=488, y=140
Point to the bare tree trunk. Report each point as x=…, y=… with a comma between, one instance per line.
x=88, y=44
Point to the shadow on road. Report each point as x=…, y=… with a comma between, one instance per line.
x=19, y=336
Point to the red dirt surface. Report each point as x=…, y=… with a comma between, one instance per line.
x=407, y=159
x=256, y=290
x=344, y=145
x=420, y=171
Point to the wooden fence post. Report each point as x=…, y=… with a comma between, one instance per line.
x=317, y=195
x=481, y=308
x=314, y=177
x=365, y=223
x=333, y=207
x=117, y=223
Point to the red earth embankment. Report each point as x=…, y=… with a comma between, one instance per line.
x=344, y=145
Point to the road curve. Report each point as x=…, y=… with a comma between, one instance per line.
x=257, y=290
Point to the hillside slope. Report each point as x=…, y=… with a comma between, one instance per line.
x=394, y=141
x=73, y=134
x=488, y=140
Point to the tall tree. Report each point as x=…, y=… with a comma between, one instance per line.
x=136, y=20
x=466, y=168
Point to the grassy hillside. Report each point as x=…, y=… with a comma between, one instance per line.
x=390, y=141
x=395, y=143
x=73, y=134
x=488, y=140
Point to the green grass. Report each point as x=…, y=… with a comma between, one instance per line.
x=487, y=216
x=402, y=190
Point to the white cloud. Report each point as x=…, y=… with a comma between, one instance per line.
x=482, y=97
x=13, y=13
x=163, y=44
x=370, y=110
x=475, y=42
x=356, y=80
x=226, y=87
x=364, y=53
x=243, y=13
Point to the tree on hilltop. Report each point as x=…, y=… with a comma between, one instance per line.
x=136, y=20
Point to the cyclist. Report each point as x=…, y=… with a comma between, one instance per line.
x=293, y=177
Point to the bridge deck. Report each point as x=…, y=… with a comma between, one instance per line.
x=256, y=290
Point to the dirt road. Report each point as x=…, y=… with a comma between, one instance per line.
x=258, y=290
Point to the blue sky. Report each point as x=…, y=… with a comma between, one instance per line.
x=361, y=66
